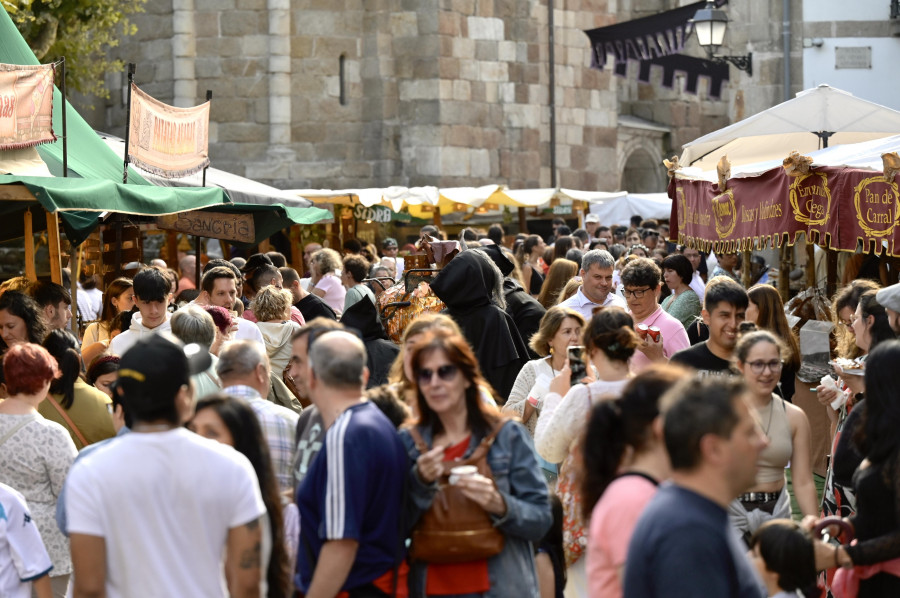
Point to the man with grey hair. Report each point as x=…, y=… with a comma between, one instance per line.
x=597, y=287
x=191, y=324
x=350, y=501
x=244, y=370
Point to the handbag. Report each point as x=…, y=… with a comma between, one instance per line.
x=456, y=529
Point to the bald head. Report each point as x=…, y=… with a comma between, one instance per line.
x=338, y=360
x=244, y=362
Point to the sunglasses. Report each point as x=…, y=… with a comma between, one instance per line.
x=445, y=372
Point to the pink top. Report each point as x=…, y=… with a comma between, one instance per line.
x=612, y=523
x=296, y=316
x=674, y=337
x=334, y=292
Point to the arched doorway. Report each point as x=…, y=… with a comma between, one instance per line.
x=642, y=174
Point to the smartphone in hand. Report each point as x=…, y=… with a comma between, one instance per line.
x=576, y=364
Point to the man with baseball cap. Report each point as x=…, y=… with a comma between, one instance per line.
x=591, y=223
x=156, y=512
x=889, y=298
x=389, y=248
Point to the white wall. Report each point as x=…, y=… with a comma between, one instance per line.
x=879, y=84
x=844, y=10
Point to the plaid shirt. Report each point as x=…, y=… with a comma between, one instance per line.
x=279, y=426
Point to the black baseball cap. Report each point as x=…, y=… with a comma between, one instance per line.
x=389, y=242
x=157, y=365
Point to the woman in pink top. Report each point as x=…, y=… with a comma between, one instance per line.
x=624, y=461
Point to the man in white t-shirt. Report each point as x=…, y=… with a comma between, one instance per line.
x=597, y=287
x=163, y=511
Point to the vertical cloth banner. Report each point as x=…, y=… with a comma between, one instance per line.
x=26, y=105
x=167, y=141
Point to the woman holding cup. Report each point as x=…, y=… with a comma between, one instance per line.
x=452, y=422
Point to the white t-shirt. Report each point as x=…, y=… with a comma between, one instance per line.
x=164, y=503
x=22, y=553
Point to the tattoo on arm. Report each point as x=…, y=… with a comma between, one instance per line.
x=250, y=559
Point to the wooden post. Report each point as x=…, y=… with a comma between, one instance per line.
x=746, y=275
x=30, y=272
x=437, y=217
x=784, y=281
x=172, y=249
x=53, y=242
x=74, y=278
x=523, y=221
x=831, y=272
x=810, y=264
x=296, y=250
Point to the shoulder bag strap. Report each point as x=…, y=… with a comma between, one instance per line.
x=417, y=438
x=485, y=445
x=16, y=428
x=68, y=421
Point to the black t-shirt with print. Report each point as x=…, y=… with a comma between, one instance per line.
x=700, y=358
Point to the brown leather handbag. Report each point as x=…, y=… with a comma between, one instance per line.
x=456, y=529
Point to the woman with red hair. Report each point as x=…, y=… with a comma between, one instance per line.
x=35, y=453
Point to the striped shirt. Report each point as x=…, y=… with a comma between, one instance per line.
x=279, y=426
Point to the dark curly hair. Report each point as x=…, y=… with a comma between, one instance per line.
x=611, y=330
x=23, y=306
x=641, y=272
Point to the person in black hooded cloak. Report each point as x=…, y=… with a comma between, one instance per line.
x=471, y=286
x=524, y=309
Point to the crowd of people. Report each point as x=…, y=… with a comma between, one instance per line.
x=598, y=413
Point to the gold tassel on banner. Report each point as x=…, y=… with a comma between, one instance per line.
x=891, y=163
x=672, y=165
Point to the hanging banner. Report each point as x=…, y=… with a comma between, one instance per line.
x=26, y=105
x=167, y=141
x=835, y=207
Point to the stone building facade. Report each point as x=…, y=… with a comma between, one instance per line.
x=343, y=93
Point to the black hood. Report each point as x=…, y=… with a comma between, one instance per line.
x=363, y=316
x=466, y=282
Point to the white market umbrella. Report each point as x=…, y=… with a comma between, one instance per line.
x=820, y=117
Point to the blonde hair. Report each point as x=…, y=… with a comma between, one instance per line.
x=423, y=323
x=550, y=325
x=271, y=303
x=570, y=289
x=561, y=271
x=326, y=261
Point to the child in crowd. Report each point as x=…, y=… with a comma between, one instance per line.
x=784, y=557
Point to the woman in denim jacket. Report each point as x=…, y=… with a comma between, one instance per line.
x=452, y=422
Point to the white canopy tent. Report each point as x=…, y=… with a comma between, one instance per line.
x=816, y=118
x=619, y=210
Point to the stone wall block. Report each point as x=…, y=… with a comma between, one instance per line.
x=242, y=22
x=485, y=28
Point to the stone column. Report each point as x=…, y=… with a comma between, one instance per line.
x=184, y=51
x=279, y=74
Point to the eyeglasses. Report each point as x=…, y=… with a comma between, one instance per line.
x=445, y=372
x=758, y=367
x=636, y=294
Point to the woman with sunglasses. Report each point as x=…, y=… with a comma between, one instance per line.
x=759, y=357
x=452, y=421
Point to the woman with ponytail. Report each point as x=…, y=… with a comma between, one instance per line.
x=73, y=403
x=624, y=459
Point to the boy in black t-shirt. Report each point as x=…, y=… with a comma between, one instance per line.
x=724, y=306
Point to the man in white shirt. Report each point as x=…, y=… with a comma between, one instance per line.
x=162, y=511
x=597, y=287
x=151, y=297
x=219, y=287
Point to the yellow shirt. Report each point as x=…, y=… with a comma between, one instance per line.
x=89, y=413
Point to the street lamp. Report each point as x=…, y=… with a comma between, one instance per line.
x=710, y=24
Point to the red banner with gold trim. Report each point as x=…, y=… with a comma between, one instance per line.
x=837, y=207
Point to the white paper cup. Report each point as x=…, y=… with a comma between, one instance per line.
x=461, y=471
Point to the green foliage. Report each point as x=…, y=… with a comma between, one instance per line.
x=81, y=30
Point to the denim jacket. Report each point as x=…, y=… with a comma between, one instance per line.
x=528, y=516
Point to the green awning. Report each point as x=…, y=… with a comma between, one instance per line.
x=79, y=202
